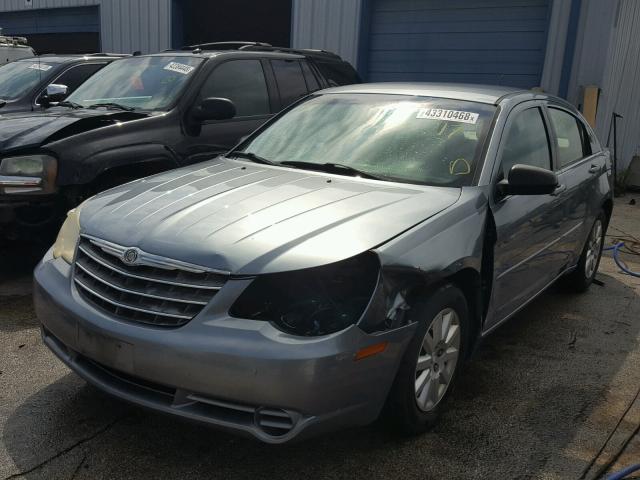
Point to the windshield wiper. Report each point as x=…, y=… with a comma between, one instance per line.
x=338, y=168
x=112, y=105
x=253, y=157
x=67, y=103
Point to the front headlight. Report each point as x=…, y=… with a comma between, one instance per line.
x=28, y=174
x=67, y=240
x=312, y=302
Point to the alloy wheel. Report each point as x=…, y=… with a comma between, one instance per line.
x=594, y=244
x=437, y=359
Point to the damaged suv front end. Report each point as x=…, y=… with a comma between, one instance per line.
x=268, y=298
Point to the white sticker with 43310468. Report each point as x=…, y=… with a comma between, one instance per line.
x=447, y=115
x=179, y=68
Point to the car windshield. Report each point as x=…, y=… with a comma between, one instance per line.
x=18, y=78
x=422, y=140
x=147, y=83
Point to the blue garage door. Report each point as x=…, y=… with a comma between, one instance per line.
x=56, y=30
x=475, y=41
x=52, y=20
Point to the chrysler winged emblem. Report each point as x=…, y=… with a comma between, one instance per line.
x=130, y=256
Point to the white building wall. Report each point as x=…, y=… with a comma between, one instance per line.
x=126, y=25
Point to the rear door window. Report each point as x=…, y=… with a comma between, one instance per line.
x=290, y=80
x=310, y=78
x=242, y=82
x=571, y=137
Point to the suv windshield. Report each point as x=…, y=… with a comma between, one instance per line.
x=147, y=83
x=18, y=78
x=422, y=140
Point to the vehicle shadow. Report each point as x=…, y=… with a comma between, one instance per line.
x=520, y=401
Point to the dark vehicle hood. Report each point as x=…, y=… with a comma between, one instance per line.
x=249, y=219
x=34, y=129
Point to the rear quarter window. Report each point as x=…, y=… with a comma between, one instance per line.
x=338, y=73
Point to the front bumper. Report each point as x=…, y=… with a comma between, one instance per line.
x=241, y=375
x=23, y=216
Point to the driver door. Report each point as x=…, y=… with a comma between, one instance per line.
x=528, y=227
x=244, y=83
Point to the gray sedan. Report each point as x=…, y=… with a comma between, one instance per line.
x=341, y=263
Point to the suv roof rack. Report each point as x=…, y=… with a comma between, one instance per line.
x=107, y=54
x=298, y=51
x=257, y=47
x=224, y=45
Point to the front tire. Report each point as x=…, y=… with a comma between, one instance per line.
x=432, y=361
x=580, y=279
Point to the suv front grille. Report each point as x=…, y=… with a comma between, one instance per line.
x=155, y=291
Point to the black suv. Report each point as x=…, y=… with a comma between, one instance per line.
x=36, y=83
x=145, y=114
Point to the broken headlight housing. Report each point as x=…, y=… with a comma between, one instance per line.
x=68, y=237
x=312, y=302
x=28, y=174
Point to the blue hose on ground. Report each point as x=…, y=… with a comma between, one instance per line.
x=623, y=473
x=616, y=257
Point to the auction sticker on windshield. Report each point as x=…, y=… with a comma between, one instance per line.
x=179, y=68
x=40, y=66
x=447, y=115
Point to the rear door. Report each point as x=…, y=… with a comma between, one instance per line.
x=528, y=226
x=290, y=80
x=580, y=170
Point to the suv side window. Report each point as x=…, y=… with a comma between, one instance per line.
x=242, y=82
x=290, y=79
x=337, y=73
x=76, y=76
x=309, y=76
x=573, y=141
x=526, y=142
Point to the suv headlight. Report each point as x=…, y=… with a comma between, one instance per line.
x=28, y=174
x=312, y=302
x=68, y=236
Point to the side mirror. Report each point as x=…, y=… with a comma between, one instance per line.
x=213, y=108
x=528, y=180
x=53, y=94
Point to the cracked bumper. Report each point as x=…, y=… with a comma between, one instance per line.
x=240, y=375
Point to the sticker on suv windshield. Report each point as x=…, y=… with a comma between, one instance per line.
x=40, y=66
x=447, y=115
x=180, y=68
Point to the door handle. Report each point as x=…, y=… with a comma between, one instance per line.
x=595, y=168
x=559, y=189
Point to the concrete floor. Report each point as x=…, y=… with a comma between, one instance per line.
x=539, y=401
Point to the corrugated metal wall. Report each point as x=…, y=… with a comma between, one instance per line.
x=130, y=25
x=332, y=25
x=126, y=25
x=621, y=85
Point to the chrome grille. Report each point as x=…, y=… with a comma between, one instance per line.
x=154, y=291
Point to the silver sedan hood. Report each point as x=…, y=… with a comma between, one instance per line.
x=248, y=219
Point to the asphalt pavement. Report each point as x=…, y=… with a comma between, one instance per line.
x=539, y=400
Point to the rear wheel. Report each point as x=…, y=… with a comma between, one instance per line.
x=431, y=362
x=582, y=277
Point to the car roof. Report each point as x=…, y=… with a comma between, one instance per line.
x=491, y=94
x=53, y=58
